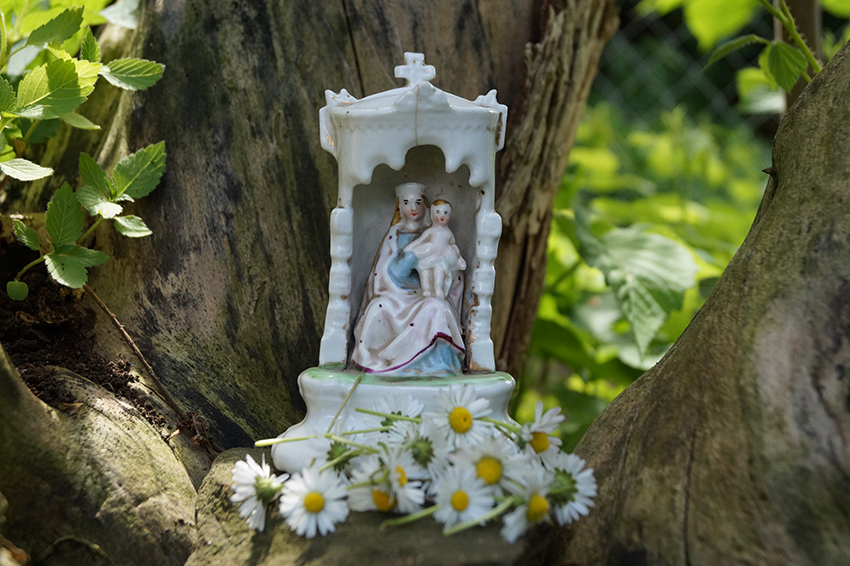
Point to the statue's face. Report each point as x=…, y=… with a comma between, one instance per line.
x=441, y=214
x=412, y=207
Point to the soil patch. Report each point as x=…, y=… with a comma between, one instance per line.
x=53, y=327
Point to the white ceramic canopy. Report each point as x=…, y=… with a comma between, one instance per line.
x=415, y=133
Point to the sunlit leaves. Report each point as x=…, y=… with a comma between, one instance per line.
x=132, y=226
x=24, y=170
x=97, y=202
x=138, y=174
x=54, y=89
x=132, y=74
x=58, y=29
x=712, y=20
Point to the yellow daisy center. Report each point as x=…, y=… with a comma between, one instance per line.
x=382, y=500
x=538, y=508
x=460, y=500
x=489, y=469
x=540, y=442
x=314, y=502
x=460, y=419
x=402, y=477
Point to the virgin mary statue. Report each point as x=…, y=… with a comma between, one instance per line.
x=399, y=331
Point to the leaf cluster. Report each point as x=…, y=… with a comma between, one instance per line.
x=43, y=84
x=646, y=219
x=67, y=260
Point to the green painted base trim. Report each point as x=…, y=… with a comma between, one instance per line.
x=350, y=376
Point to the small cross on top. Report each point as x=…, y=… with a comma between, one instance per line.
x=414, y=70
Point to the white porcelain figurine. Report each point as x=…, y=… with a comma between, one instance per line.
x=403, y=329
x=408, y=295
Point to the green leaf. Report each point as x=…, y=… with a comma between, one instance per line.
x=59, y=29
x=765, y=68
x=838, y=8
x=86, y=256
x=65, y=218
x=8, y=100
x=649, y=274
x=731, y=46
x=139, y=173
x=786, y=64
x=24, y=170
x=125, y=14
x=54, y=89
x=89, y=49
x=93, y=174
x=712, y=20
x=132, y=226
x=17, y=290
x=26, y=235
x=68, y=271
x=96, y=202
x=132, y=74
x=78, y=121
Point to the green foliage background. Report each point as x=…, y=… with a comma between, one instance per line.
x=684, y=193
x=649, y=213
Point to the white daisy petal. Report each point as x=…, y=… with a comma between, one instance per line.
x=462, y=496
x=253, y=487
x=313, y=502
x=574, y=489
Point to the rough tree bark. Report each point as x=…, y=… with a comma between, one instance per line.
x=227, y=298
x=735, y=448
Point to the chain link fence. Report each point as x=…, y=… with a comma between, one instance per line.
x=653, y=64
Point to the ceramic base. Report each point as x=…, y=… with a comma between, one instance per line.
x=325, y=390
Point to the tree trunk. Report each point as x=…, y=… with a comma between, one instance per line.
x=735, y=448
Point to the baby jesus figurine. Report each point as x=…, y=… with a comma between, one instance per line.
x=437, y=254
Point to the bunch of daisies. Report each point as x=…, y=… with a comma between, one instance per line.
x=455, y=463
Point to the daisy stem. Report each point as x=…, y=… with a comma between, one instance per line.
x=368, y=449
x=339, y=459
x=366, y=430
x=271, y=441
x=345, y=401
x=502, y=424
x=416, y=420
x=410, y=518
x=492, y=514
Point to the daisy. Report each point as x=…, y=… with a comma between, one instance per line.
x=254, y=486
x=368, y=491
x=430, y=448
x=574, y=488
x=320, y=450
x=313, y=501
x=461, y=496
x=403, y=470
x=537, y=435
x=534, y=507
x=457, y=414
x=496, y=461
